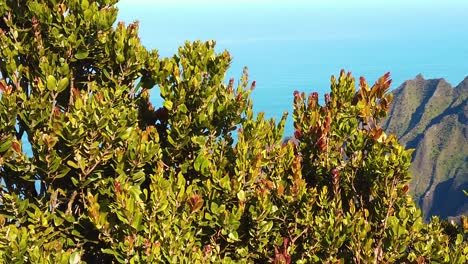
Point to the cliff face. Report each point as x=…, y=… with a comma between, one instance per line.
x=432, y=117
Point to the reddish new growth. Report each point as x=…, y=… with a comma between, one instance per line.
x=147, y=247
x=195, y=202
x=362, y=81
x=35, y=23
x=335, y=179
x=231, y=85
x=386, y=75
x=405, y=188
x=322, y=143
x=239, y=96
x=335, y=173
x=4, y=88
x=297, y=133
x=327, y=123
x=117, y=186
x=327, y=99
x=56, y=111
x=16, y=146
x=296, y=93
x=207, y=250
x=253, y=85
x=315, y=96
x=282, y=256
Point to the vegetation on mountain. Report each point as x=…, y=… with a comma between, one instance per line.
x=432, y=117
x=199, y=179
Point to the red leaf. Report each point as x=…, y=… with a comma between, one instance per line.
x=16, y=147
x=405, y=188
x=117, y=186
x=362, y=81
x=315, y=95
x=386, y=75
x=297, y=134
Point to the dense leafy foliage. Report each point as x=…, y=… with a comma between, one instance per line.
x=199, y=179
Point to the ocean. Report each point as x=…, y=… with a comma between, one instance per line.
x=299, y=49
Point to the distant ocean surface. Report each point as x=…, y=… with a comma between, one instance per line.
x=287, y=50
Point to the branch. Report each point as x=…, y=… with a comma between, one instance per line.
x=70, y=99
x=378, y=250
x=70, y=203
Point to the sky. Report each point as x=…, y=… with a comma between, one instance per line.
x=402, y=25
x=298, y=44
x=303, y=3
x=168, y=23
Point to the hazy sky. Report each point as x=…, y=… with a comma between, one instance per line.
x=302, y=3
x=168, y=23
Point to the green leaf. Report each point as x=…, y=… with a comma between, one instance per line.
x=233, y=236
x=241, y=195
x=204, y=166
x=84, y=4
x=80, y=55
x=162, y=206
x=5, y=145
x=459, y=239
x=75, y=258
x=214, y=208
x=74, y=181
x=199, y=161
x=139, y=176
x=225, y=182
x=51, y=83
x=136, y=221
x=63, y=84
x=58, y=221
x=63, y=172
x=183, y=108
x=266, y=226
x=109, y=251
x=168, y=105
x=127, y=133
x=72, y=164
x=106, y=73
x=199, y=140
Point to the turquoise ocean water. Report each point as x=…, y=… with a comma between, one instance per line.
x=290, y=48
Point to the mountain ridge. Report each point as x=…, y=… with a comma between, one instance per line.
x=431, y=117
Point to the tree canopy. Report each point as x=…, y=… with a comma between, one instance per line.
x=92, y=172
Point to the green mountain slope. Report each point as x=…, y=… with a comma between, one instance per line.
x=432, y=117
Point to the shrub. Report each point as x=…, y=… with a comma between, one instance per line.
x=110, y=178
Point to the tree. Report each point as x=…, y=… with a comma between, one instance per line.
x=111, y=178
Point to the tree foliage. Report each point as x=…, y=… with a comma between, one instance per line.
x=110, y=178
